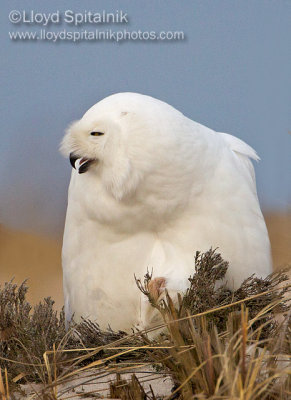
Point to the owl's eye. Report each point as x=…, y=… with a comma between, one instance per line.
x=97, y=133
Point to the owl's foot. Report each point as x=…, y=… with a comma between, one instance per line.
x=156, y=287
x=150, y=315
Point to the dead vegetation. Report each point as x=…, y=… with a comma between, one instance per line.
x=216, y=344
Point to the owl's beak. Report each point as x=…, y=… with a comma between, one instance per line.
x=80, y=163
x=73, y=159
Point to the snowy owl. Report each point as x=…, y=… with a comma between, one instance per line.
x=148, y=189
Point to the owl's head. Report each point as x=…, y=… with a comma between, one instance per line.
x=121, y=139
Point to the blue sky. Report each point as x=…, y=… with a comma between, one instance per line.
x=231, y=73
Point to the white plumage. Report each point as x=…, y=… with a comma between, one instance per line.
x=149, y=189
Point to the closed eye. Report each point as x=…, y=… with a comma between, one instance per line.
x=97, y=133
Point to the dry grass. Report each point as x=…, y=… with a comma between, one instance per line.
x=215, y=344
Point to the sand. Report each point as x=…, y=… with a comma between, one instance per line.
x=98, y=384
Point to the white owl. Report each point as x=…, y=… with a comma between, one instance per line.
x=149, y=188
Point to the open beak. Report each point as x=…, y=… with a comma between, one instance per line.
x=81, y=164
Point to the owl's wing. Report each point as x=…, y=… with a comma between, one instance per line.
x=244, y=152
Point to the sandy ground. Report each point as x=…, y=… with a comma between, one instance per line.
x=98, y=385
x=38, y=259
